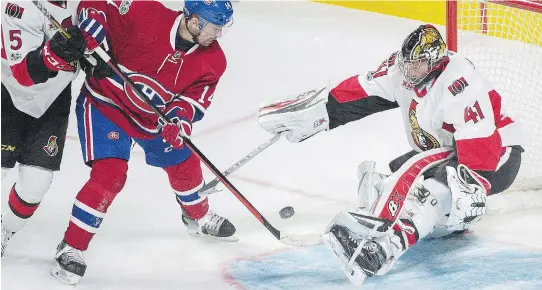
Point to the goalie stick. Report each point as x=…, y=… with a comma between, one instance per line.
x=295, y=240
x=210, y=187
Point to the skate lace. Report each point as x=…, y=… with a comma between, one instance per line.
x=74, y=255
x=213, y=223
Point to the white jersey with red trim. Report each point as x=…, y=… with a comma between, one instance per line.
x=459, y=105
x=25, y=29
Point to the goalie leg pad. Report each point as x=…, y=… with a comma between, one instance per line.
x=368, y=186
x=429, y=202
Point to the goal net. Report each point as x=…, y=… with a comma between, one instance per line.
x=504, y=41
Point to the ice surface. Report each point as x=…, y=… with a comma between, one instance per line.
x=273, y=49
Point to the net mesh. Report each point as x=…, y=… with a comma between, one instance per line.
x=505, y=43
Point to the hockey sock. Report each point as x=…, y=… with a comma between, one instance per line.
x=107, y=179
x=4, y=172
x=186, y=179
x=20, y=211
x=25, y=196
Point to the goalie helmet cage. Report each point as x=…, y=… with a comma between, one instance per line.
x=504, y=41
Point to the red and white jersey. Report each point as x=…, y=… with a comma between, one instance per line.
x=141, y=36
x=25, y=29
x=459, y=108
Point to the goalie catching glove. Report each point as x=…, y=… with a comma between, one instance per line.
x=299, y=116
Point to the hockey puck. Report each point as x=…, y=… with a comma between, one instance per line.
x=287, y=212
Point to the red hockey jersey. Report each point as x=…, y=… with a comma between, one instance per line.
x=141, y=37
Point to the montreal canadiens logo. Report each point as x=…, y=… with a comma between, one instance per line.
x=113, y=135
x=151, y=88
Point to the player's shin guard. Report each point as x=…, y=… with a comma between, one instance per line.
x=107, y=179
x=20, y=210
x=192, y=204
x=24, y=199
x=16, y=217
x=186, y=179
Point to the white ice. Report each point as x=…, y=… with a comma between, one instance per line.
x=273, y=49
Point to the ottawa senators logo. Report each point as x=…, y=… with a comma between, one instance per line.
x=458, y=86
x=14, y=11
x=52, y=147
x=423, y=140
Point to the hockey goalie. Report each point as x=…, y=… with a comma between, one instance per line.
x=465, y=147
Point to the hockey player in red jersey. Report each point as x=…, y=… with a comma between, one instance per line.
x=174, y=58
x=38, y=67
x=464, y=147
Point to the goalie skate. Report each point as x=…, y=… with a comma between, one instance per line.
x=70, y=264
x=363, y=258
x=211, y=226
x=364, y=245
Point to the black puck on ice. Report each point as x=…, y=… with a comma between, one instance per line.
x=287, y=212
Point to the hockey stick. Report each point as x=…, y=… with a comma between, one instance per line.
x=163, y=120
x=210, y=187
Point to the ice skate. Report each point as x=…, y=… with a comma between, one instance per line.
x=70, y=264
x=6, y=235
x=212, y=226
x=371, y=256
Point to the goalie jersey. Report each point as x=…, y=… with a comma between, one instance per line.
x=24, y=30
x=459, y=108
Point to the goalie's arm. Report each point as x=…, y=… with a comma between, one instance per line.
x=306, y=114
x=341, y=113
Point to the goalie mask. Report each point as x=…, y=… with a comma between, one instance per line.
x=421, y=54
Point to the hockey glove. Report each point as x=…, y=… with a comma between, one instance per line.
x=59, y=52
x=93, y=30
x=99, y=71
x=469, y=194
x=300, y=116
x=180, y=113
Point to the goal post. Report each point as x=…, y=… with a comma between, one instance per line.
x=504, y=41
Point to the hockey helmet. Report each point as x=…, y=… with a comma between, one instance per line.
x=422, y=52
x=217, y=12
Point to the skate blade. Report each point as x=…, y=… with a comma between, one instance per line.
x=355, y=274
x=215, y=238
x=65, y=276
